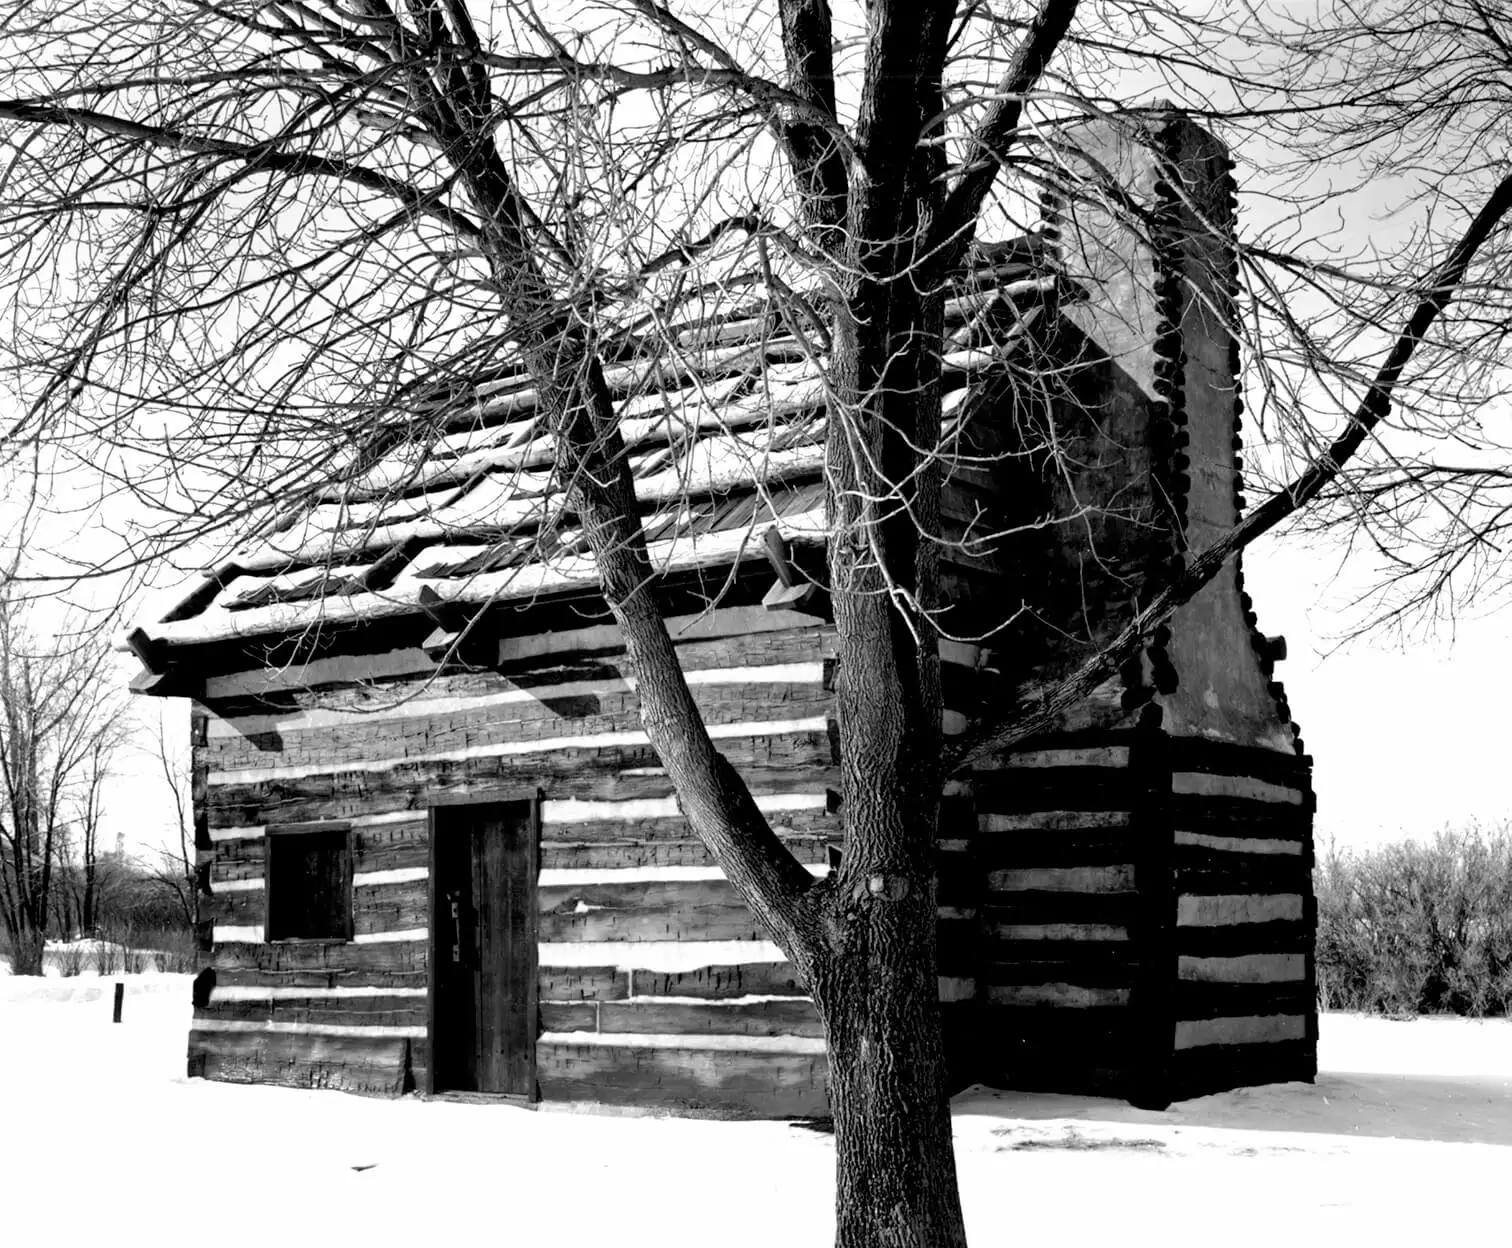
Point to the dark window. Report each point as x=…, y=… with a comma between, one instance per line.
x=310, y=884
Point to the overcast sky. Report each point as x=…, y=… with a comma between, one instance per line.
x=1405, y=739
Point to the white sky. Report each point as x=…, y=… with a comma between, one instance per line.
x=1405, y=741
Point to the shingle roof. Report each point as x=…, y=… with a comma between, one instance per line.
x=724, y=424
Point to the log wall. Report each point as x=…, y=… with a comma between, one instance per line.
x=1242, y=858
x=1058, y=841
x=656, y=985
x=1147, y=916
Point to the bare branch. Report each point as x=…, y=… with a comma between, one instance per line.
x=997, y=131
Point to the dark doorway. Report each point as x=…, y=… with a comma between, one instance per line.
x=483, y=927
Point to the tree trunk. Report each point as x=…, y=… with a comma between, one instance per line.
x=895, y=1166
x=27, y=946
x=87, y=920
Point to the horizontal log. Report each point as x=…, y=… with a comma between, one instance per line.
x=568, y=1015
x=236, y=908
x=384, y=1011
x=752, y=717
x=645, y=1015
x=393, y=846
x=388, y=907
x=576, y=773
x=958, y=880
x=1240, y=817
x=322, y=957
x=1054, y=849
x=790, y=814
x=289, y=981
x=1086, y=1050
x=1195, y=1000
x=611, y=890
x=559, y=855
x=381, y=1065
x=958, y=945
x=318, y=674
x=240, y=859
x=1196, y=869
x=653, y=923
x=1238, y=940
x=582, y=983
x=726, y=980
x=1042, y=758
x=1103, y=1032
x=737, y=626
x=1033, y=789
x=737, y=1084
x=958, y=814
x=646, y=910
x=1000, y=910
x=1197, y=754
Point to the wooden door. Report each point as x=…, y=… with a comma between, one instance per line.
x=483, y=1021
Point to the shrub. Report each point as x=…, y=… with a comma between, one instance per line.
x=107, y=957
x=1415, y=928
x=70, y=958
x=173, y=949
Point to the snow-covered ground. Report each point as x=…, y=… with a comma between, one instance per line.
x=1406, y=1137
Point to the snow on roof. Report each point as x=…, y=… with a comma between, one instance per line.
x=723, y=421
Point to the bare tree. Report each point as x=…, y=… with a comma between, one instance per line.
x=62, y=721
x=175, y=869
x=77, y=901
x=291, y=236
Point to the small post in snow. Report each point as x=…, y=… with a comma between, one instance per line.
x=120, y=995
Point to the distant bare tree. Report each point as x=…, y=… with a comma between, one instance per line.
x=175, y=866
x=61, y=717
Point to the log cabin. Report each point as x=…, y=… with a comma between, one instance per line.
x=439, y=855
